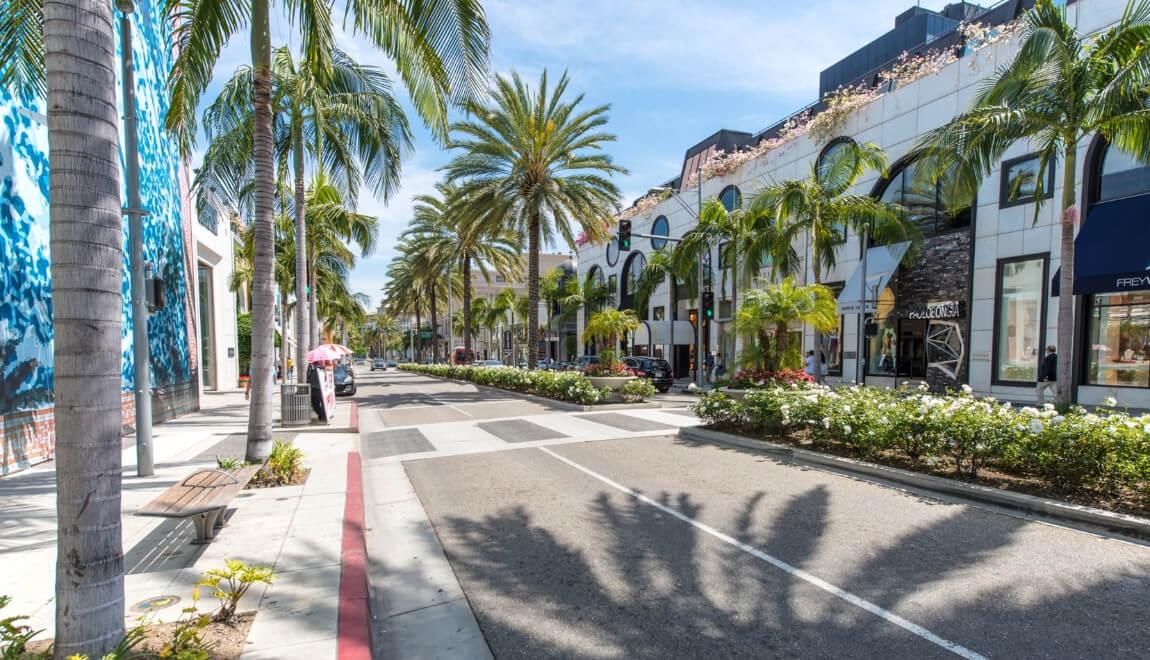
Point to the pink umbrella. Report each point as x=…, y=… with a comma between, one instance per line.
x=328, y=353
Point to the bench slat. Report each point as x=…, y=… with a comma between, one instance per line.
x=200, y=492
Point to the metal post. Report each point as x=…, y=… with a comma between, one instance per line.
x=859, y=360
x=144, y=465
x=700, y=379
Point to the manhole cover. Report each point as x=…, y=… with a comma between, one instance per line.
x=155, y=603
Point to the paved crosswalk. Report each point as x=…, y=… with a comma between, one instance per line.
x=485, y=435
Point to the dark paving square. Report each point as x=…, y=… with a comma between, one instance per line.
x=382, y=444
x=627, y=422
x=518, y=430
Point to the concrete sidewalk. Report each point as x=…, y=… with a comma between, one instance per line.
x=297, y=530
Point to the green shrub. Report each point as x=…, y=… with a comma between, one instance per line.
x=14, y=635
x=228, y=462
x=561, y=385
x=1107, y=450
x=283, y=467
x=639, y=389
x=229, y=584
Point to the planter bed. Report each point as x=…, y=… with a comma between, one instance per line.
x=1093, y=459
x=568, y=389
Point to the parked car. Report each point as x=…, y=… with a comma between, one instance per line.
x=344, y=379
x=490, y=363
x=392, y=364
x=657, y=370
x=585, y=361
x=379, y=364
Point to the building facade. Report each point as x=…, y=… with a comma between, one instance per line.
x=977, y=302
x=215, y=243
x=26, y=365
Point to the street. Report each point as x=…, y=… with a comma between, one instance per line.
x=603, y=535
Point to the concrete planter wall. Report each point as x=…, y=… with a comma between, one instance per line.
x=737, y=395
x=613, y=383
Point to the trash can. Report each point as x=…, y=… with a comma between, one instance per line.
x=295, y=405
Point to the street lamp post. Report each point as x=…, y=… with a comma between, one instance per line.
x=135, y=213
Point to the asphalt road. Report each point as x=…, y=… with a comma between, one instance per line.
x=654, y=547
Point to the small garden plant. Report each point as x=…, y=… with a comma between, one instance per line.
x=229, y=584
x=283, y=467
x=639, y=389
x=607, y=328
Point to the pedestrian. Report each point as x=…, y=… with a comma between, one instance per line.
x=709, y=365
x=1047, y=375
x=810, y=365
x=720, y=366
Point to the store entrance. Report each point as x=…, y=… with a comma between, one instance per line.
x=912, y=348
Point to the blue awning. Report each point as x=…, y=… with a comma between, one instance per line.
x=881, y=264
x=1112, y=250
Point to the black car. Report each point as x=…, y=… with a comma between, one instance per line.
x=344, y=380
x=657, y=370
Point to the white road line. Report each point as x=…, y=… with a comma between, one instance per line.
x=857, y=601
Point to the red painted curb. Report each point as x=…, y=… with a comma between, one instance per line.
x=354, y=617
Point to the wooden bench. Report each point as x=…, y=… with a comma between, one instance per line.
x=204, y=495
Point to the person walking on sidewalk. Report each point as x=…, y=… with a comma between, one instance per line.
x=1047, y=375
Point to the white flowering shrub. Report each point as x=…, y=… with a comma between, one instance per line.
x=639, y=389
x=562, y=385
x=1107, y=450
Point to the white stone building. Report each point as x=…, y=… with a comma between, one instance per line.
x=977, y=306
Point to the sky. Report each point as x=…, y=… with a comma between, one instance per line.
x=673, y=72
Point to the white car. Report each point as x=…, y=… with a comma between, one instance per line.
x=490, y=363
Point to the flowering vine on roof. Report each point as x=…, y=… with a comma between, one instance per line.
x=842, y=102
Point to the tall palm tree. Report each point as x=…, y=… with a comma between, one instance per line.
x=383, y=332
x=462, y=235
x=508, y=299
x=1061, y=88
x=78, y=55
x=768, y=312
x=820, y=210
x=439, y=48
x=344, y=119
x=535, y=159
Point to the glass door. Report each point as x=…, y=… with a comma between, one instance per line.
x=207, y=324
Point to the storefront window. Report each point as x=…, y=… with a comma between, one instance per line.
x=833, y=341
x=923, y=202
x=882, y=345
x=1018, y=330
x=1119, y=350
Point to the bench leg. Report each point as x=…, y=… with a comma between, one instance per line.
x=206, y=527
x=219, y=520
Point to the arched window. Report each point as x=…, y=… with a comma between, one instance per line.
x=923, y=201
x=835, y=149
x=632, y=271
x=612, y=252
x=731, y=198
x=660, y=228
x=1119, y=175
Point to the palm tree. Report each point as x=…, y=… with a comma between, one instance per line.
x=609, y=327
x=767, y=313
x=1061, y=88
x=459, y=234
x=87, y=263
x=356, y=131
x=820, y=210
x=383, y=332
x=534, y=159
x=509, y=300
x=439, y=48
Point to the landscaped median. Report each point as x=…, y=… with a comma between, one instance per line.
x=570, y=386
x=1099, y=458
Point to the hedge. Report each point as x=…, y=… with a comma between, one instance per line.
x=1107, y=451
x=562, y=385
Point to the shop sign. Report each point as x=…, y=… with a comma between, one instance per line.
x=947, y=309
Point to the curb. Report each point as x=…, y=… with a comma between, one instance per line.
x=1028, y=504
x=556, y=403
x=354, y=626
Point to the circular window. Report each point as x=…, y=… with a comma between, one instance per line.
x=612, y=252
x=731, y=198
x=660, y=228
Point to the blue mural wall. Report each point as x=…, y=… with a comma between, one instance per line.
x=25, y=272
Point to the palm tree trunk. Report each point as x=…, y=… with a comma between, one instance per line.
x=417, y=340
x=819, y=335
x=301, y=308
x=532, y=291
x=1066, y=299
x=313, y=310
x=87, y=266
x=263, y=264
x=467, y=305
x=434, y=326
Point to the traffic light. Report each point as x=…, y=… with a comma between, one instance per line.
x=624, y=235
x=708, y=305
